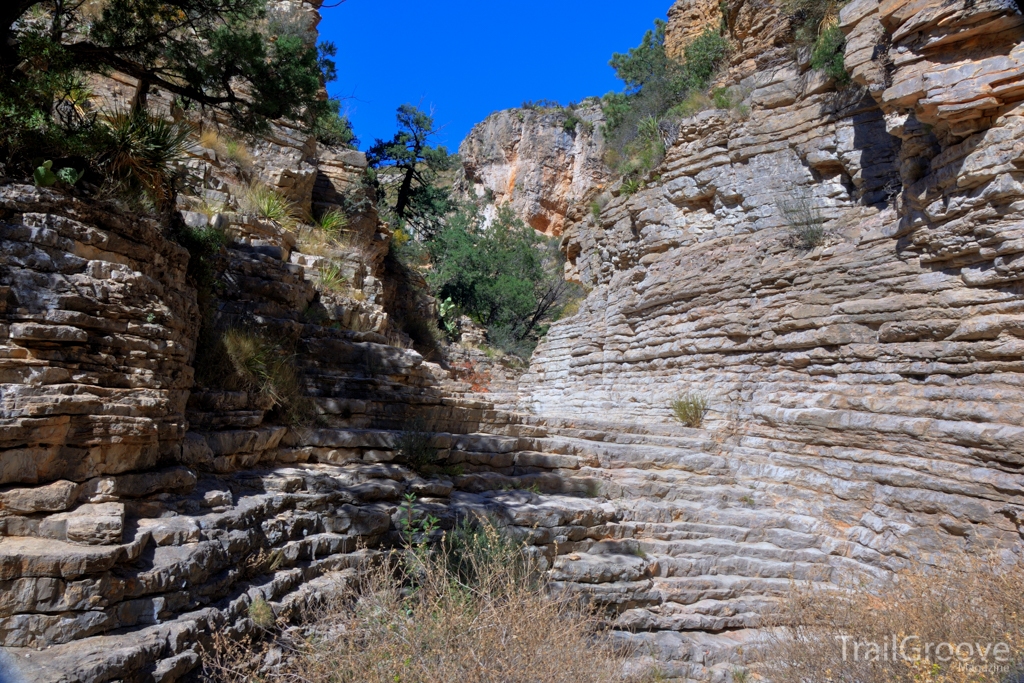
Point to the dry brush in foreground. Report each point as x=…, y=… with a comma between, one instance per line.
x=469, y=610
x=963, y=623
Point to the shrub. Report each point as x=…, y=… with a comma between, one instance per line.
x=262, y=366
x=807, y=18
x=806, y=222
x=503, y=275
x=656, y=86
x=331, y=128
x=691, y=408
x=827, y=55
x=694, y=103
x=261, y=613
x=973, y=600
x=571, y=121
x=141, y=153
x=330, y=277
x=472, y=608
x=259, y=200
x=416, y=447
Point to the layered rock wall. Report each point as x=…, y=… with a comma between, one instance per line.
x=529, y=160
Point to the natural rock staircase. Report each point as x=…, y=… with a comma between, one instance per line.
x=651, y=524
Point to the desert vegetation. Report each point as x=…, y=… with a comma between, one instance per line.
x=658, y=90
x=691, y=408
x=468, y=605
x=958, y=623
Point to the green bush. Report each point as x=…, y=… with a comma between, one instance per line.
x=503, y=275
x=827, y=55
x=331, y=128
x=657, y=89
x=691, y=408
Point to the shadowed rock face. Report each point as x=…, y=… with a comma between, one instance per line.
x=526, y=158
x=865, y=393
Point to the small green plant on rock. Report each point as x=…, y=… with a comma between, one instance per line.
x=261, y=613
x=806, y=222
x=330, y=277
x=416, y=447
x=631, y=186
x=827, y=55
x=266, y=202
x=691, y=408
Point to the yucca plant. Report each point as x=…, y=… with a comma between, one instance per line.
x=330, y=276
x=691, y=408
x=261, y=366
x=142, y=152
x=266, y=202
x=332, y=222
x=631, y=186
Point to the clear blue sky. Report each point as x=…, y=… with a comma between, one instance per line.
x=468, y=58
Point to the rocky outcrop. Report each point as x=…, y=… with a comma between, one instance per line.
x=529, y=159
x=865, y=412
x=864, y=391
x=97, y=328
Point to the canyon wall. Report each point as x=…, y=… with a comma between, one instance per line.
x=865, y=412
x=534, y=161
x=864, y=392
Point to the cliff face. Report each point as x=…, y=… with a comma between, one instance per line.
x=866, y=391
x=528, y=159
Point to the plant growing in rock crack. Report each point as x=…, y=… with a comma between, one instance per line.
x=691, y=408
x=330, y=277
x=415, y=445
x=631, y=186
x=805, y=220
x=261, y=613
x=265, y=368
x=265, y=202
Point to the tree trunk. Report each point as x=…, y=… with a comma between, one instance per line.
x=404, y=192
x=10, y=12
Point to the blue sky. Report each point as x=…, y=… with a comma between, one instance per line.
x=466, y=59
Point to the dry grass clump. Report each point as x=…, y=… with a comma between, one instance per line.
x=226, y=148
x=264, y=367
x=960, y=624
x=691, y=408
x=326, y=235
x=806, y=222
x=468, y=610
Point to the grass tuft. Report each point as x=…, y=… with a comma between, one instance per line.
x=265, y=202
x=806, y=222
x=691, y=408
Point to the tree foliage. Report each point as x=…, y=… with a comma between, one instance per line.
x=411, y=159
x=230, y=55
x=655, y=86
x=502, y=274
